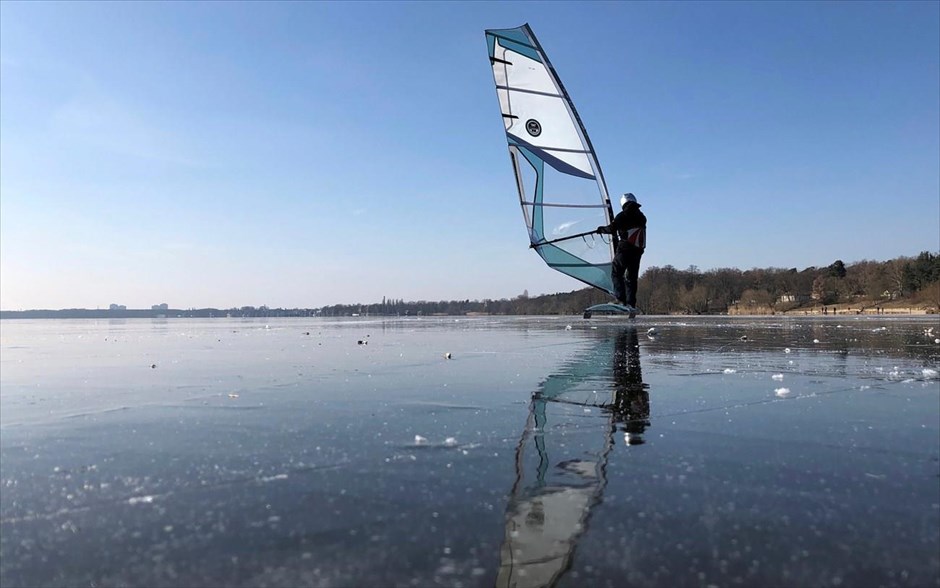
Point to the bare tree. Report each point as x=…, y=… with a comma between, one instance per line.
x=694, y=300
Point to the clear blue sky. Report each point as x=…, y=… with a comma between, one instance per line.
x=303, y=154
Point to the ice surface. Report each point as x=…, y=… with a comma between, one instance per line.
x=282, y=453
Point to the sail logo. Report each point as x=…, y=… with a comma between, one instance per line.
x=533, y=127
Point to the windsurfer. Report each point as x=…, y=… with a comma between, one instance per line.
x=630, y=226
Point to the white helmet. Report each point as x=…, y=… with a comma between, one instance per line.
x=628, y=197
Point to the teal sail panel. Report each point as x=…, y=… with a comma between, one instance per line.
x=559, y=181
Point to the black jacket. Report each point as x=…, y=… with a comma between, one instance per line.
x=630, y=225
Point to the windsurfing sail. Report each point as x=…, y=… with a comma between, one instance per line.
x=561, y=188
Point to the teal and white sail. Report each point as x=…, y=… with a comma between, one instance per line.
x=561, y=188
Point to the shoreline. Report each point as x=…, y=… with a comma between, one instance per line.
x=836, y=311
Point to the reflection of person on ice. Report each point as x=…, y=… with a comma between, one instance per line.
x=630, y=226
x=631, y=396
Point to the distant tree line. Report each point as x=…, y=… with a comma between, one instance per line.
x=160, y=313
x=667, y=290
x=562, y=303
x=662, y=290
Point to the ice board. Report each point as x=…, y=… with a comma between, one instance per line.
x=610, y=308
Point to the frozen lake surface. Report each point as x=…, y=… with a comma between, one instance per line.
x=717, y=451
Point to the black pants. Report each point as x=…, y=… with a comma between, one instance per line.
x=626, y=272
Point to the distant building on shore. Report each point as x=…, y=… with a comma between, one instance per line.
x=117, y=307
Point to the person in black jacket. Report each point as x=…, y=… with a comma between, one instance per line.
x=630, y=226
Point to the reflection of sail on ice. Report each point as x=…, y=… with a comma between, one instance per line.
x=560, y=467
x=546, y=516
x=549, y=507
x=561, y=187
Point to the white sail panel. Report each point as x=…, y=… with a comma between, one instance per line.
x=529, y=93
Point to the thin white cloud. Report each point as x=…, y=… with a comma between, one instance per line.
x=7, y=61
x=562, y=229
x=95, y=118
x=672, y=172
